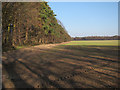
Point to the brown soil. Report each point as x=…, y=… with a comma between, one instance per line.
x=48, y=66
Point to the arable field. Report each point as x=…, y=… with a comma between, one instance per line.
x=95, y=42
x=75, y=64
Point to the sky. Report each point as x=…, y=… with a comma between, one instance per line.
x=87, y=18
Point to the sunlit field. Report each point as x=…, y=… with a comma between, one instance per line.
x=95, y=42
x=75, y=64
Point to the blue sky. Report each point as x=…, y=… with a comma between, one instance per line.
x=87, y=18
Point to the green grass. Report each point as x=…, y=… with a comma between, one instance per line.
x=19, y=47
x=95, y=42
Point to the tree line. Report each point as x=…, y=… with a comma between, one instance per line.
x=116, y=37
x=30, y=23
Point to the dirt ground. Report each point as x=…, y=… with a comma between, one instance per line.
x=55, y=66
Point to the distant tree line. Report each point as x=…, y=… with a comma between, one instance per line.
x=30, y=23
x=97, y=38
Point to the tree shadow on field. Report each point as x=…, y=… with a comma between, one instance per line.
x=110, y=50
x=14, y=77
x=62, y=67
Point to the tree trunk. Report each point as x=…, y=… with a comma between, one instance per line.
x=26, y=35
